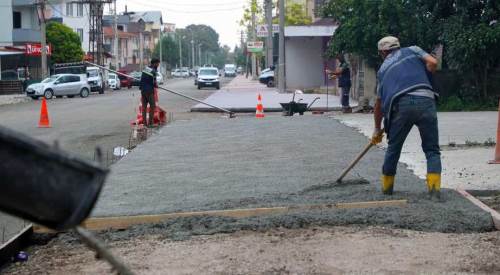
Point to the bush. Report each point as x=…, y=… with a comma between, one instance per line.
x=456, y=104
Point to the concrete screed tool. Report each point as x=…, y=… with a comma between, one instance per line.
x=355, y=161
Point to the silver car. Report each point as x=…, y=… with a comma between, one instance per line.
x=60, y=85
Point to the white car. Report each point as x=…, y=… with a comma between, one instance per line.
x=114, y=81
x=180, y=73
x=59, y=85
x=208, y=77
x=159, y=78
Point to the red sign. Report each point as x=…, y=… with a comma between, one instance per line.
x=36, y=49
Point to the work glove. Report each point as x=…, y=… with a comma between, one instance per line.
x=377, y=136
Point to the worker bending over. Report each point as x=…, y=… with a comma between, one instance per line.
x=147, y=87
x=405, y=97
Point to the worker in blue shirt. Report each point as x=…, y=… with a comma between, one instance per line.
x=147, y=87
x=405, y=97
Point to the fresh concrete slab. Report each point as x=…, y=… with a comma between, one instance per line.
x=211, y=164
x=463, y=167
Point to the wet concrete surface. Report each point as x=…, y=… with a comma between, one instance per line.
x=209, y=164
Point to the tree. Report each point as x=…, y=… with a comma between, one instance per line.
x=462, y=27
x=170, y=51
x=295, y=15
x=66, y=44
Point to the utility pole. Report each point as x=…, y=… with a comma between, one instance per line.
x=192, y=50
x=160, y=35
x=141, y=49
x=281, y=62
x=270, y=34
x=43, y=41
x=253, y=34
x=199, y=54
x=180, y=52
x=115, y=30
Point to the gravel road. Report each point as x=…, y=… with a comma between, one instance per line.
x=81, y=124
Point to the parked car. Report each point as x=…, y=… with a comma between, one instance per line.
x=59, y=85
x=136, y=78
x=180, y=73
x=96, y=79
x=124, y=80
x=159, y=78
x=267, y=77
x=239, y=70
x=229, y=70
x=208, y=77
x=114, y=81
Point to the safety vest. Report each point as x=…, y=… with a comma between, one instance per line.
x=402, y=72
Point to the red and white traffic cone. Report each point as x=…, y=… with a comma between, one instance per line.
x=259, y=112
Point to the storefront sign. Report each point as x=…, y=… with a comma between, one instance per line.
x=35, y=49
x=262, y=30
x=255, y=46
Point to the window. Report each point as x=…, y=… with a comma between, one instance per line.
x=74, y=78
x=16, y=17
x=80, y=33
x=79, y=9
x=69, y=9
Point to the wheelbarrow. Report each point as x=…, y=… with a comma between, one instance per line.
x=292, y=107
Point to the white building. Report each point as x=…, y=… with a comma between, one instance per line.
x=73, y=15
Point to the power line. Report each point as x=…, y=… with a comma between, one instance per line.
x=185, y=11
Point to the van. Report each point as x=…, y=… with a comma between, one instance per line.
x=229, y=70
x=95, y=79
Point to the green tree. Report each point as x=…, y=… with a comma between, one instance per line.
x=170, y=51
x=295, y=15
x=66, y=44
x=463, y=28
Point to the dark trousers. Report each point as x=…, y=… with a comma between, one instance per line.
x=408, y=111
x=148, y=98
x=345, y=96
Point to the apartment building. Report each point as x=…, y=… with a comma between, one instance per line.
x=72, y=14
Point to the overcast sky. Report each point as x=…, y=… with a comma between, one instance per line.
x=221, y=15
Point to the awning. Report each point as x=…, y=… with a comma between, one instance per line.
x=309, y=31
x=2, y=53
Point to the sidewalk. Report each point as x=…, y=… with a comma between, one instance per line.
x=240, y=95
x=464, y=166
x=13, y=99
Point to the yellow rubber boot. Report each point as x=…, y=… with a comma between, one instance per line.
x=434, y=184
x=387, y=184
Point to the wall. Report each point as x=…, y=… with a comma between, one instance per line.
x=304, y=62
x=73, y=21
x=6, y=22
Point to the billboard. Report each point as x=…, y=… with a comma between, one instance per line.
x=35, y=49
x=255, y=46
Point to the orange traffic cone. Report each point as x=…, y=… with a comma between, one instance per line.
x=259, y=112
x=44, y=115
x=497, y=148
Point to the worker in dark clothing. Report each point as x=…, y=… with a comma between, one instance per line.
x=343, y=73
x=405, y=97
x=147, y=87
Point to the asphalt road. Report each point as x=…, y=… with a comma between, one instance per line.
x=81, y=124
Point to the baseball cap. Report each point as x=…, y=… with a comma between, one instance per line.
x=388, y=43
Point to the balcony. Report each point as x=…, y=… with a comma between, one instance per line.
x=16, y=3
x=20, y=36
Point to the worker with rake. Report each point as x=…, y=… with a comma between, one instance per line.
x=405, y=97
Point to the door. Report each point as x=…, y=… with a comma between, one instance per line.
x=73, y=85
x=60, y=85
